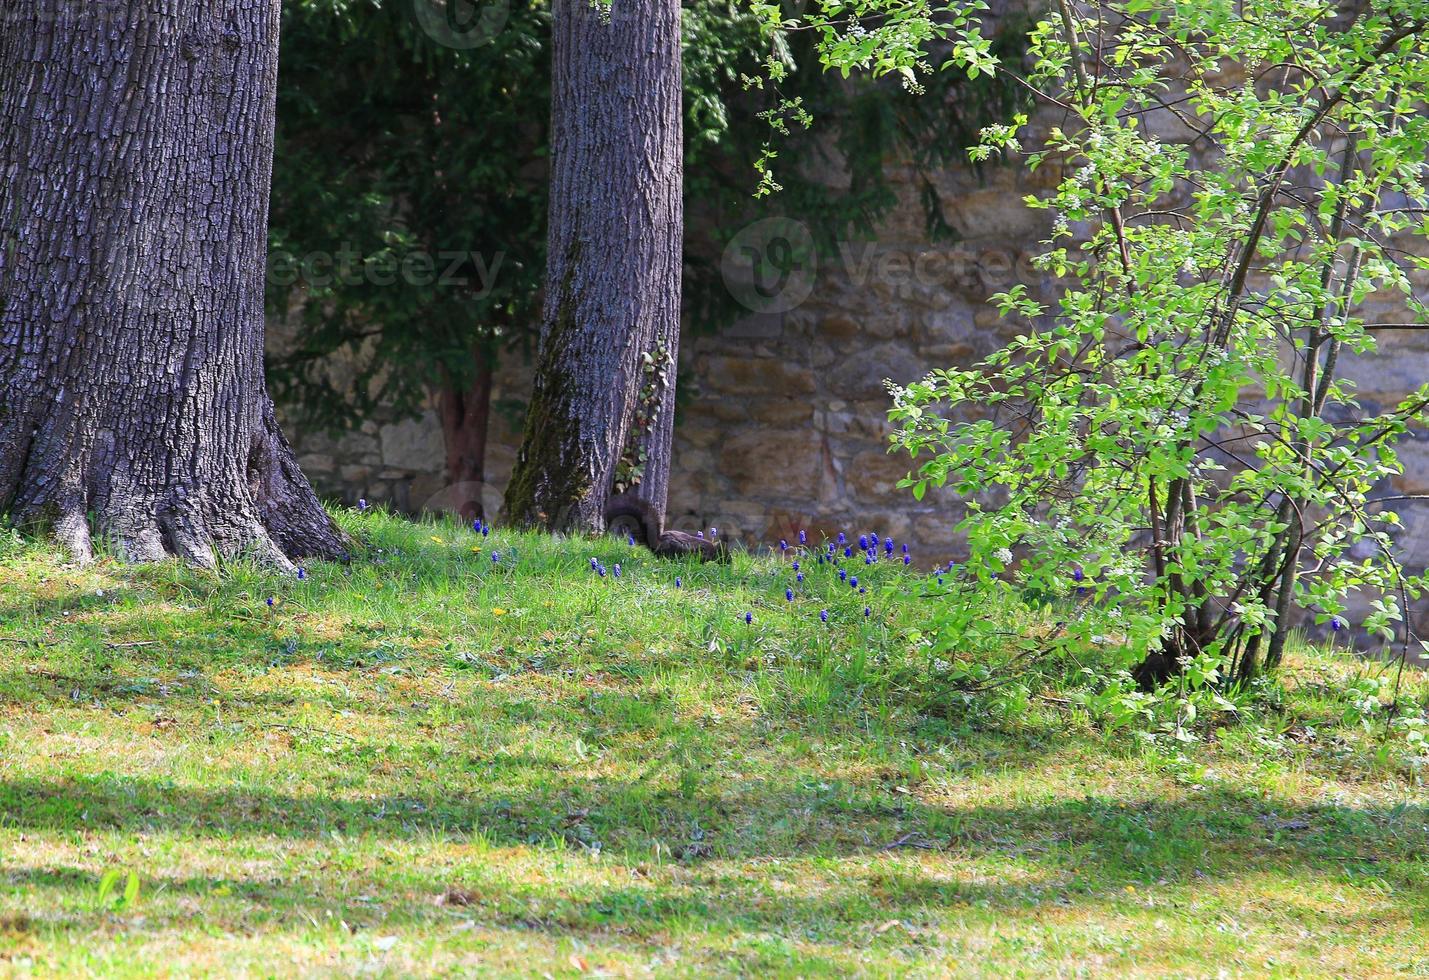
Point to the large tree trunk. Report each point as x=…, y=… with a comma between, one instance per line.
x=612, y=277
x=465, y=413
x=136, y=144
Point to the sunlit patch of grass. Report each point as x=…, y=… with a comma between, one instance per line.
x=428, y=761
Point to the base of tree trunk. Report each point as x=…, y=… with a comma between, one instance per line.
x=1156, y=669
x=676, y=544
x=289, y=509
x=465, y=414
x=1160, y=666
x=628, y=516
x=264, y=510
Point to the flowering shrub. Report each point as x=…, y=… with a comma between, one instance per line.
x=1170, y=444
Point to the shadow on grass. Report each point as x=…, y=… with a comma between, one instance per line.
x=1067, y=853
x=1116, y=840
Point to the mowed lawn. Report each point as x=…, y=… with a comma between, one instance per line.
x=465, y=754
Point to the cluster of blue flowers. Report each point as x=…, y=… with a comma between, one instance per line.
x=871, y=548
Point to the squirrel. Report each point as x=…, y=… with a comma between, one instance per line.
x=629, y=516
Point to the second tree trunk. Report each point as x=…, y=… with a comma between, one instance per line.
x=599, y=429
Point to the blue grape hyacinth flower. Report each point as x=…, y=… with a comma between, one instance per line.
x=823, y=615
x=803, y=538
x=788, y=595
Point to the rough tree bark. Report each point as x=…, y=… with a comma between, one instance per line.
x=136, y=144
x=612, y=275
x=465, y=412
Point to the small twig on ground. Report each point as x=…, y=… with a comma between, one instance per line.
x=308, y=730
x=124, y=646
x=912, y=839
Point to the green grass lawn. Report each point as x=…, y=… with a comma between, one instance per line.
x=433, y=762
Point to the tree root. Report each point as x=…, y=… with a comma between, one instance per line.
x=676, y=544
x=272, y=516
x=629, y=516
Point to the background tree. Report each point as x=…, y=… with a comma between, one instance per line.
x=378, y=117
x=135, y=154
x=413, y=165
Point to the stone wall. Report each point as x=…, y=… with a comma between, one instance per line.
x=782, y=418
